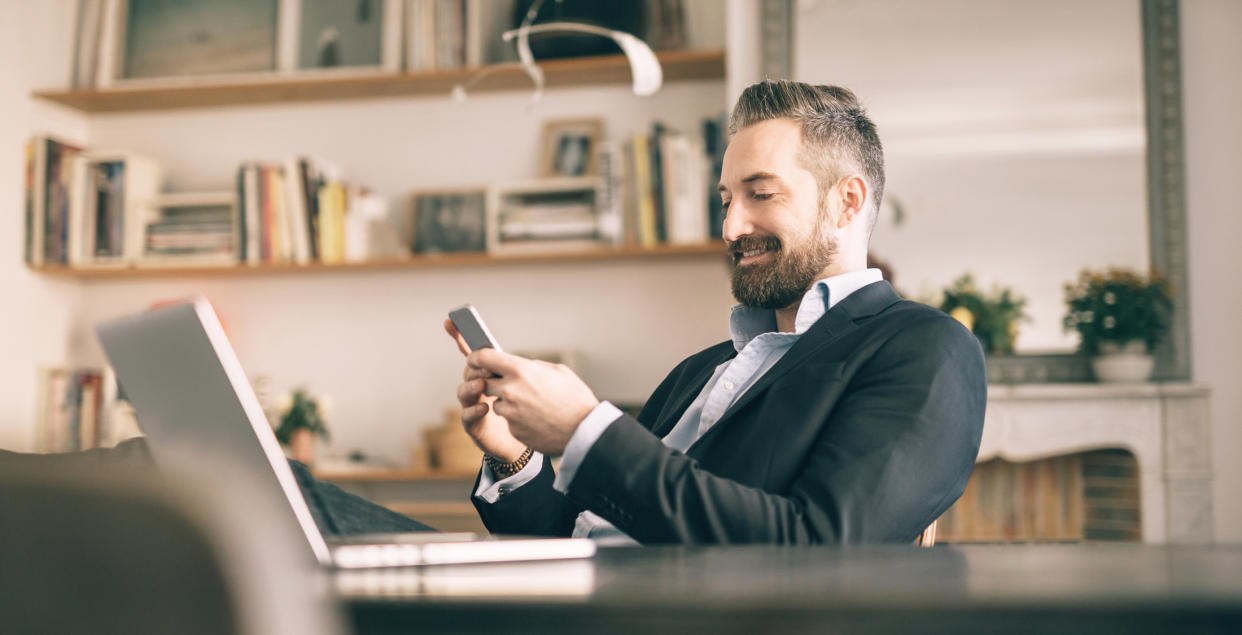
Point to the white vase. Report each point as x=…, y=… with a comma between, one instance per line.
x=1127, y=363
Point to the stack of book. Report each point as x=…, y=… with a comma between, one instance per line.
x=193, y=230
x=660, y=187
x=546, y=215
x=70, y=407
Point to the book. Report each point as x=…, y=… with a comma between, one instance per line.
x=89, y=27
x=656, y=181
x=295, y=195
x=714, y=147
x=473, y=33
x=611, y=193
x=49, y=182
x=685, y=206
x=254, y=214
x=648, y=235
x=266, y=224
x=309, y=179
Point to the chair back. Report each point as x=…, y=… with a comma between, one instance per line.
x=113, y=550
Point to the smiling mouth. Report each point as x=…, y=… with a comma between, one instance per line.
x=750, y=256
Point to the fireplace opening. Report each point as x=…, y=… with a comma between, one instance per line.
x=1088, y=496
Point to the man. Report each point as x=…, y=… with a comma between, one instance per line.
x=837, y=412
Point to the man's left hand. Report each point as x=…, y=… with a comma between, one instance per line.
x=543, y=402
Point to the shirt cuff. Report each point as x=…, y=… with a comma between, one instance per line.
x=580, y=443
x=490, y=489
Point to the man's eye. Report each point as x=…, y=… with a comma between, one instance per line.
x=724, y=205
x=761, y=196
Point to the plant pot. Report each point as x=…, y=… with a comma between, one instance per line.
x=1122, y=364
x=302, y=446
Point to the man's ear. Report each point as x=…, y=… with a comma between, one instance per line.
x=851, y=196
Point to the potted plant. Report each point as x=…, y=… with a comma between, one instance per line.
x=993, y=317
x=301, y=421
x=1120, y=315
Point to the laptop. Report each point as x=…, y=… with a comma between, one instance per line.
x=191, y=397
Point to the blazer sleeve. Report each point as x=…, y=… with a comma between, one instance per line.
x=894, y=452
x=536, y=508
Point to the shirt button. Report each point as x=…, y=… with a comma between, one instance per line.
x=729, y=386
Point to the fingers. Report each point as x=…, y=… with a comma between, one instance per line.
x=496, y=362
x=469, y=392
x=470, y=372
x=472, y=414
x=451, y=329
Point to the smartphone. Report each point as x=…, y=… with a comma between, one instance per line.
x=472, y=328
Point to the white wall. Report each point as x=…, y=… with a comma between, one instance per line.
x=372, y=341
x=1211, y=50
x=36, y=314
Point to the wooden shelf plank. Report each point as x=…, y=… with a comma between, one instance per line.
x=413, y=262
x=610, y=69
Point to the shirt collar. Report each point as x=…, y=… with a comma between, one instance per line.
x=746, y=323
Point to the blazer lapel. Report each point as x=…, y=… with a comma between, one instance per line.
x=841, y=319
x=670, y=416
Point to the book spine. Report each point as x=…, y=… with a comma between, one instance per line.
x=31, y=221
x=266, y=239
x=657, y=182
x=713, y=146
x=643, y=192
x=254, y=216
x=241, y=214
x=310, y=194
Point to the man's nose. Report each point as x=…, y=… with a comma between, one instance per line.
x=736, y=223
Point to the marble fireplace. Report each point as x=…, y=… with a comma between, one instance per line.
x=1165, y=426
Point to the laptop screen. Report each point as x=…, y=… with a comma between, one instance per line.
x=192, y=398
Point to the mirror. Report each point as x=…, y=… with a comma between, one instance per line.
x=1014, y=138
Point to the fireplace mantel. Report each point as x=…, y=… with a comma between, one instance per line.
x=1165, y=426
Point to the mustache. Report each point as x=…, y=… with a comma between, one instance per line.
x=751, y=243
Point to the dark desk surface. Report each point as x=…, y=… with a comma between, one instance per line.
x=969, y=589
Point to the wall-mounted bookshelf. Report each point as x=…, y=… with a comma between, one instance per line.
x=584, y=71
x=711, y=250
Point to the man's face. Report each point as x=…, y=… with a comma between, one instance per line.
x=778, y=240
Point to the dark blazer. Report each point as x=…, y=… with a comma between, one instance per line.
x=864, y=432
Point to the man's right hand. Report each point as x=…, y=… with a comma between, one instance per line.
x=489, y=430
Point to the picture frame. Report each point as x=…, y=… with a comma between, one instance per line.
x=182, y=44
x=136, y=53
x=449, y=221
x=570, y=147
x=337, y=37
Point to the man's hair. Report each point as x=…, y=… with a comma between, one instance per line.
x=837, y=136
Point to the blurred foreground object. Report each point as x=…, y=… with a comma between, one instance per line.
x=112, y=550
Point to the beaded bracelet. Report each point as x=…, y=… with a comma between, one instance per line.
x=505, y=470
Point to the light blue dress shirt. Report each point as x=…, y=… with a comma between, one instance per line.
x=759, y=345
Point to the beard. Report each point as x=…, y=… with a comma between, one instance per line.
x=786, y=276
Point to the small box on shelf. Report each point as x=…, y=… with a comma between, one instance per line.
x=546, y=215
x=110, y=204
